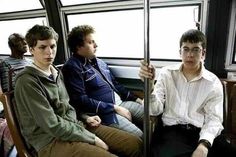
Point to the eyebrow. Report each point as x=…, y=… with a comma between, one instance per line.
x=193, y=47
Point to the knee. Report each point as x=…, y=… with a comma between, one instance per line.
x=134, y=146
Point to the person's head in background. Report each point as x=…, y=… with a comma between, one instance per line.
x=81, y=41
x=18, y=45
x=42, y=42
x=192, y=49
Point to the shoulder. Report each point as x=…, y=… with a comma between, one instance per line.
x=72, y=62
x=73, y=65
x=170, y=68
x=25, y=76
x=210, y=76
x=100, y=61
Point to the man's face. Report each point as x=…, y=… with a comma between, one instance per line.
x=192, y=54
x=44, y=52
x=88, y=50
x=20, y=45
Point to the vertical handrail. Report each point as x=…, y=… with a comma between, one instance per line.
x=146, y=81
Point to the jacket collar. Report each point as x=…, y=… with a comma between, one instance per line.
x=85, y=61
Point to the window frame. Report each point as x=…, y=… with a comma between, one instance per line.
x=230, y=63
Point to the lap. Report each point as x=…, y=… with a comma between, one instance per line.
x=59, y=148
x=176, y=142
x=128, y=126
x=119, y=142
x=136, y=110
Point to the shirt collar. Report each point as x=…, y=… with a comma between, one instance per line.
x=53, y=70
x=204, y=73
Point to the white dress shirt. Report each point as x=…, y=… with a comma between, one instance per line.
x=198, y=102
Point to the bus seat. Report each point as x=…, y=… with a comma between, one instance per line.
x=225, y=107
x=11, y=73
x=232, y=104
x=229, y=110
x=8, y=104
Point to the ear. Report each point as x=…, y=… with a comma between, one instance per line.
x=203, y=54
x=31, y=50
x=180, y=53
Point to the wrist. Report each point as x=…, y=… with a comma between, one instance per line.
x=205, y=143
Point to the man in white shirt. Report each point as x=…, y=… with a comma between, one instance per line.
x=190, y=99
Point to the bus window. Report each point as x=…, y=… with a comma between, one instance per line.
x=73, y=2
x=20, y=26
x=120, y=33
x=16, y=5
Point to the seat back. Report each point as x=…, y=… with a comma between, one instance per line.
x=233, y=109
x=225, y=107
x=229, y=113
x=10, y=114
x=11, y=76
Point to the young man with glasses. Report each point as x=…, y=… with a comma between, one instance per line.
x=190, y=99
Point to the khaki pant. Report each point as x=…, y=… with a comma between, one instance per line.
x=119, y=142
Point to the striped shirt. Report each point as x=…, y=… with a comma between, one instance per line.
x=198, y=102
x=6, y=65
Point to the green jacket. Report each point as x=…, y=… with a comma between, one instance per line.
x=43, y=111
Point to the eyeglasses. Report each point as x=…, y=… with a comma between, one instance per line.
x=195, y=50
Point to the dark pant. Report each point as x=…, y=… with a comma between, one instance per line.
x=181, y=141
x=120, y=143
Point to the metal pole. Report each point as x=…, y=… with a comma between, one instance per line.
x=146, y=81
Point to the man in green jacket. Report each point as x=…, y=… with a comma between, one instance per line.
x=48, y=122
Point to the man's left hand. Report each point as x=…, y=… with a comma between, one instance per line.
x=93, y=121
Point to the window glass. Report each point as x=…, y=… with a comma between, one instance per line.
x=16, y=26
x=74, y=2
x=120, y=33
x=166, y=27
x=19, y=5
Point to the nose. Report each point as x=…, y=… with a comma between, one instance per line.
x=49, y=51
x=190, y=54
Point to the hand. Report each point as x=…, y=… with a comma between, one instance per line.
x=200, y=151
x=93, y=121
x=146, y=71
x=140, y=101
x=100, y=143
x=123, y=112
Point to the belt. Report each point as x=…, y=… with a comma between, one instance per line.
x=189, y=127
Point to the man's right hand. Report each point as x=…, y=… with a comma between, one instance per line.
x=200, y=151
x=146, y=71
x=100, y=143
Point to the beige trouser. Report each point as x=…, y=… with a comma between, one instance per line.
x=119, y=142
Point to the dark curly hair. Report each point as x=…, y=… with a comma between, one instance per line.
x=77, y=35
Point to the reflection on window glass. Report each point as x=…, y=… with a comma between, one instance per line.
x=120, y=33
x=19, y=5
x=16, y=26
x=74, y=2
